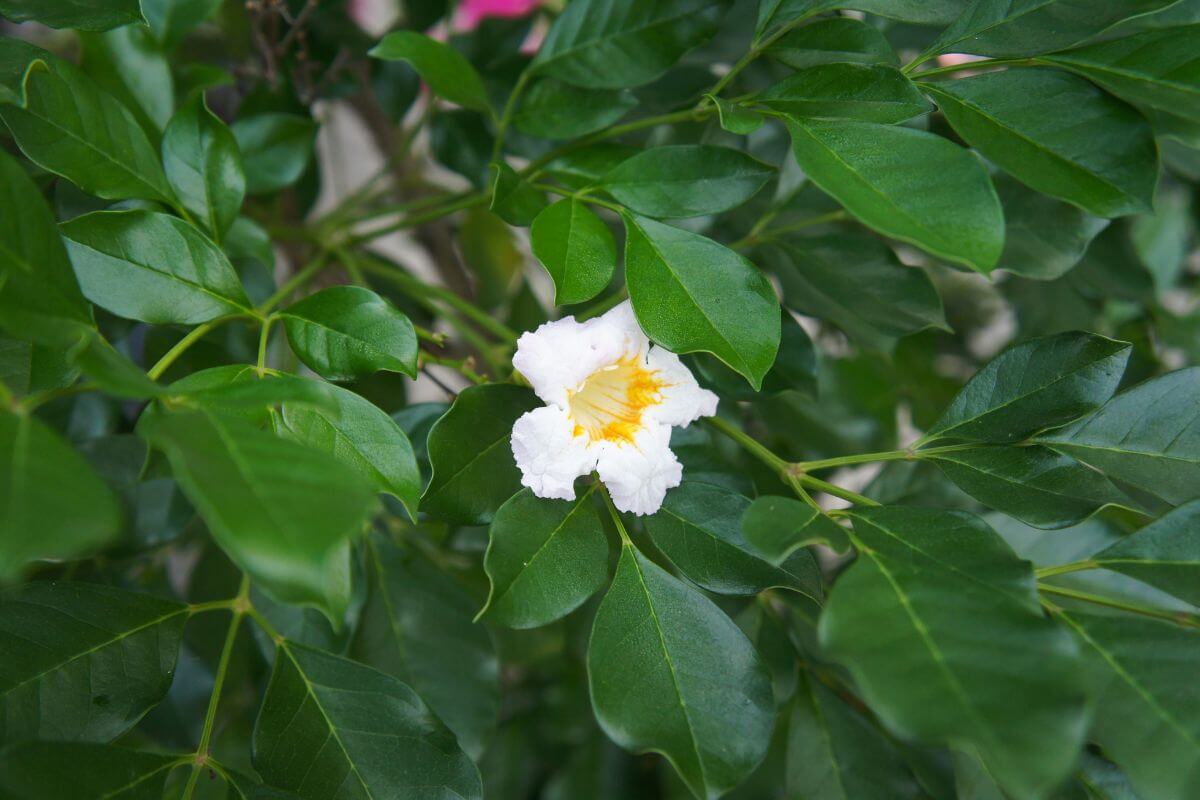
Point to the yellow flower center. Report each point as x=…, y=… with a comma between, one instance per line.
x=610, y=404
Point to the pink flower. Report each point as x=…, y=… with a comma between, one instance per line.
x=471, y=12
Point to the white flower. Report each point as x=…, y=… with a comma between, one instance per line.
x=611, y=400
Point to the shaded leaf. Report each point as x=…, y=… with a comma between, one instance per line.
x=1043, y=237
x=204, y=165
x=276, y=149
x=778, y=526
x=1164, y=554
x=555, y=110
x=872, y=92
x=686, y=180
x=447, y=71
x=833, y=41
x=344, y=332
x=71, y=770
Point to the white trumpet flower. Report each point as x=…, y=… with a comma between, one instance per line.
x=611, y=401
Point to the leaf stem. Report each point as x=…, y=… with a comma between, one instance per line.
x=749, y=444
x=464, y=366
x=506, y=116
x=835, y=490
x=758, y=48
x=1064, y=569
x=1177, y=617
x=194, y=335
x=301, y=278
x=981, y=64
x=887, y=455
x=263, y=339
x=757, y=234
x=459, y=204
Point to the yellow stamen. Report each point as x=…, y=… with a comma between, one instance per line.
x=610, y=404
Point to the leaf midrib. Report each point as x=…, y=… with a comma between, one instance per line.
x=579, y=504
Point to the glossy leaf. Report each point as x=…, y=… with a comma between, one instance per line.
x=699, y=528
x=84, y=662
x=344, y=332
x=417, y=626
x=1147, y=436
x=555, y=110
x=686, y=180
x=778, y=526
x=1044, y=238
x=544, y=559
x=71, y=770
x=514, y=200
x=276, y=149
x=130, y=65
x=1024, y=121
x=906, y=619
x=1164, y=554
x=703, y=697
x=1036, y=385
x=204, y=165
x=875, y=93
x=447, y=72
x=692, y=294
x=617, y=44
x=282, y=512
x=152, y=267
x=56, y=506
x=332, y=728
x=907, y=184
x=836, y=40
x=85, y=15
x=473, y=467
x=576, y=248
x=68, y=126
x=1035, y=484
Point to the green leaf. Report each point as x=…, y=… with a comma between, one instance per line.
x=1164, y=554
x=152, y=267
x=38, y=290
x=735, y=118
x=282, y=512
x=513, y=199
x=1155, y=69
x=1025, y=121
x=68, y=126
x=130, y=65
x=835, y=753
x=544, y=559
x=1036, y=385
x=1030, y=27
x=417, y=626
x=112, y=370
x=922, y=12
x=171, y=20
x=1146, y=436
x=833, y=41
x=576, y=248
x=72, y=770
x=276, y=149
x=555, y=110
x=778, y=526
x=83, y=662
x=363, y=437
x=692, y=294
x=204, y=165
x=84, y=15
x=907, y=184
x=1162, y=240
x=57, y=507
x=702, y=696
x=857, y=283
x=1147, y=717
x=618, y=44
x=1043, y=237
x=794, y=370
x=686, y=180
x=473, y=467
x=344, y=332
x=699, y=528
x=1034, y=484
x=929, y=582
x=446, y=71
x=333, y=729
x=872, y=92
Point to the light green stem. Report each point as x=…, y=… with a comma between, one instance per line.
x=1177, y=617
x=1065, y=569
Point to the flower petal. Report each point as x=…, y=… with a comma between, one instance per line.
x=682, y=400
x=621, y=320
x=548, y=453
x=638, y=475
x=560, y=355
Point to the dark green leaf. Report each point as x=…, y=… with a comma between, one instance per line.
x=686, y=180
x=1146, y=436
x=617, y=44
x=446, y=71
x=344, y=332
x=1163, y=240
x=555, y=110
x=72, y=770
x=794, y=370
x=1164, y=554
x=857, y=283
x=363, y=437
x=702, y=696
x=832, y=41
x=872, y=92
x=693, y=294
x=907, y=618
x=417, y=626
x=736, y=118
x=1025, y=120
x=130, y=65
x=112, y=370
x=923, y=12
x=276, y=149
x=171, y=20
x=204, y=164
x=84, y=15
x=83, y=662
x=473, y=467
x=152, y=267
x=544, y=559
x=699, y=528
x=282, y=512
x=1043, y=237
x=576, y=248
x=56, y=506
x=513, y=199
x=1036, y=385
x=907, y=184
x=68, y=126
x=1034, y=484
x=778, y=526
x=333, y=729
